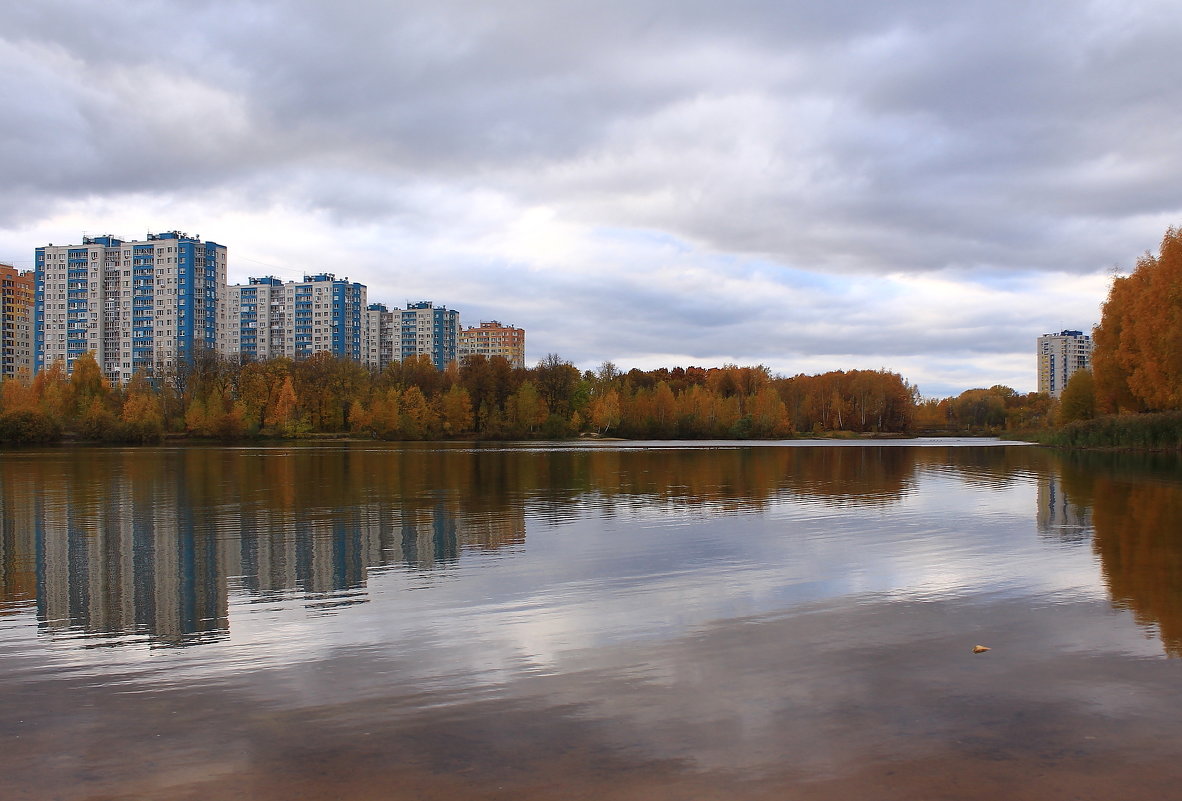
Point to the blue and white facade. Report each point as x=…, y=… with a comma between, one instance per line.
x=255, y=320
x=138, y=305
x=431, y=330
x=267, y=318
x=420, y=329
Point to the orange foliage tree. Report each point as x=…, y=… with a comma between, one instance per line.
x=1137, y=360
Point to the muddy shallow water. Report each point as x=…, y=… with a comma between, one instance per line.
x=611, y=621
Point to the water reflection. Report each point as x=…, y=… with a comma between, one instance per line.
x=712, y=622
x=1061, y=517
x=1135, y=506
x=149, y=543
x=143, y=544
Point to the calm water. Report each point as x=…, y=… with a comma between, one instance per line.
x=620, y=621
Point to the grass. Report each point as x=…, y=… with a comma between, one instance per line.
x=1160, y=431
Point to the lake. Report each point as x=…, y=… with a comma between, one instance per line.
x=603, y=620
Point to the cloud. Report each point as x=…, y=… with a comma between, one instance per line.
x=849, y=185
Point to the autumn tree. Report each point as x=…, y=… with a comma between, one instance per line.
x=556, y=380
x=142, y=419
x=17, y=393
x=419, y=421
x=1078, y=401
x=456, y=411
x=259, y=385
x=697, y=412
x=604, y=411
x=360, y=418
x=52, y=392
x=96, y=421
x=978, y=409
x=196, y=419
x=769, y=417
x=281, y=411
x=385, y=413
x=420, y=371
x=1137, y=356
x=326, y=385
x=663, y=420
x=526, y=410
x=89, y=389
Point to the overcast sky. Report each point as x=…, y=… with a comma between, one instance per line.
x=922, y=186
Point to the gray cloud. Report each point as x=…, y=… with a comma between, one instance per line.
x=762, y=143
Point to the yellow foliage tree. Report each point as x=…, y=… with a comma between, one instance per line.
x=604, y=411
x=143, y=420
x=457, y=414
x=281, y=413
x=769, y=416
x=526, y=409
x=385, y=413
x=418, y=420
x=1078, y=401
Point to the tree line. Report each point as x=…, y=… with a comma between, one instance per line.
x=1132, y=396
x=478, y=397
x=1137, y=357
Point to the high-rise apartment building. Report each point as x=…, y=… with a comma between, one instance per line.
x=381, y=339
x=269, y=318
x=429, y=330
x=420, y=329
x=1059, y=357
x=494, y=339
x=256, y=320
x=139, y=305
x=17, y=291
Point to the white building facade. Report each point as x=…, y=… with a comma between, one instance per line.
x=427, y=329
x=381, y=339
x=1060, y=356
x=421, y=329
x=268, y=318
x=138, y=305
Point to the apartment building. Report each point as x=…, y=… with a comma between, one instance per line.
x=267, y=318
x=430, y=330
x=1059, y=357
x=420, y=329
x=381, y=339
x=138, y=305
x=152, y=304
x=494, y=339
x=17, y=291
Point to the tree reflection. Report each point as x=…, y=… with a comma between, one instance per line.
x=124, y=544
x=1136, y=513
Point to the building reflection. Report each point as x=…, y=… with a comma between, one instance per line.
x=18, y=544
x=1060, y=517
x=154, y=544
x=123, y=551
x=117, y=545
x=112, y=559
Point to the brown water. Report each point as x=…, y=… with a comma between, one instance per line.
x=606, y=621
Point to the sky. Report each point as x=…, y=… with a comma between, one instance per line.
x=919, y=186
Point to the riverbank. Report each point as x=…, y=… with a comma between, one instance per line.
x=48, y=435
x=1161, y=431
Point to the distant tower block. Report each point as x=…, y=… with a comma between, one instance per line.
x=17, y=291
x=1059, y=357
x=494, y=339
